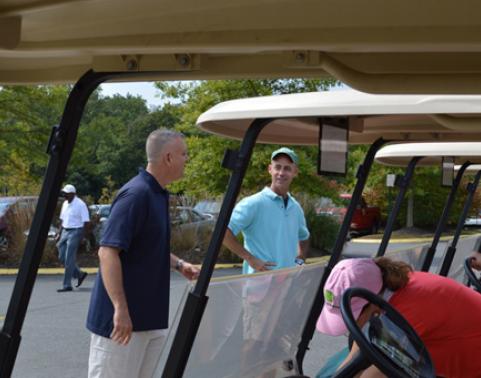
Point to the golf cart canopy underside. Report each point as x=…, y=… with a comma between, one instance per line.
x=375, y=46
x=296, y=117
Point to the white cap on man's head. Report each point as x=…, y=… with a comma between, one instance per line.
x=69, y=188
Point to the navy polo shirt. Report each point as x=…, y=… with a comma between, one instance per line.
x=139, y=227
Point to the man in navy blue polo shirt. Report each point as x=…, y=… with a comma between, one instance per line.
x=129, y=307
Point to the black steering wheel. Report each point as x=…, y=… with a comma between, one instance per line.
x=387, y=341
x=472, y=279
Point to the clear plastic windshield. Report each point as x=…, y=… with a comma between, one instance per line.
x=252, y=324
x=464, y=248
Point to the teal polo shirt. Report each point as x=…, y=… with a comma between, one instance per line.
x=271, y=230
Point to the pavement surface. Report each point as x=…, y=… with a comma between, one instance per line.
x=55, y=342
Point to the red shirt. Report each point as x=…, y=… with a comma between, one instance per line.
x=447, y=317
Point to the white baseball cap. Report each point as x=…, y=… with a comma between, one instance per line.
x=69, y=189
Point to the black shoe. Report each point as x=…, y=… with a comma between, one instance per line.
x=64, y=289
x=83, y=275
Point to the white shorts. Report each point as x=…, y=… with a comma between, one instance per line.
x=138, y=358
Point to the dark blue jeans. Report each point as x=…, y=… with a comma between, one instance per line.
x=67, y=253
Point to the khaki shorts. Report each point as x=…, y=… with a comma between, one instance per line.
x=138, y=358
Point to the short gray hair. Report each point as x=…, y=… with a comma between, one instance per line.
x=157, y=140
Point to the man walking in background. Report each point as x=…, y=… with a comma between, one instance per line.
x=74, y=218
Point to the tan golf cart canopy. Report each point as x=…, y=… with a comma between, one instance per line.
x=393, y=117
x=407, y=46
x=401, y=154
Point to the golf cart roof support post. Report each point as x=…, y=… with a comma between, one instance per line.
x=444, y=217
x=448, y=258
x=403, y=187
x=61, y=151
x=197, y=299
x=315, y=311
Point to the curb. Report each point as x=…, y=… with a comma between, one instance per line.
x=424, y=239
x=60, y=271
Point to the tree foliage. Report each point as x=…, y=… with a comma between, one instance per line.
x=26, y=116
x=204, y=174
x=111, y=140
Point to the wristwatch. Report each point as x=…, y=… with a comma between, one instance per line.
x=179, y=264
x=299, y=261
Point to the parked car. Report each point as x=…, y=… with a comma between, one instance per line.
x=190, y=228
x=191, y=231
x=99, y=213
x=100, y=210
x=473, y=221
x=209, y=207
x=189, y=217
x=366, y=219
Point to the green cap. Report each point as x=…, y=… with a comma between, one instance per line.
x=286, y=151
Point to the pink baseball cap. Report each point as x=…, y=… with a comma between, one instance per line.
x=356, y=272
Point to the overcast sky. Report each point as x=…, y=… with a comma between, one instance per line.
x=144, y=89
x=147, y=90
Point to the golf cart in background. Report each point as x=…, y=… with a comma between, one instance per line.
x=473, y=220
x=302, y=119
x=456, y=159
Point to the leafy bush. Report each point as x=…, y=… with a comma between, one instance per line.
x=18, y=221
x=323, y=229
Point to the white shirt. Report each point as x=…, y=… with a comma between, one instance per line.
x=74, y=214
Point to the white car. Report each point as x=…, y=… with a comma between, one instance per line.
x=473, y=221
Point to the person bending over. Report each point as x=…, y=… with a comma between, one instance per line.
x=444, y=313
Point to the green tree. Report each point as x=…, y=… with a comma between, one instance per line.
x=27, y=114
x=111, y=142
x=204, y=174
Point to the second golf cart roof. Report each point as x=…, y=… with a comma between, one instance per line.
x=400, y=154
x=395, y=117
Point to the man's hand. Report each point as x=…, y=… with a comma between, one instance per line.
x=57, y=238
x=189, y=271
x=476, y=260
x=122, y=331
x=259, y=265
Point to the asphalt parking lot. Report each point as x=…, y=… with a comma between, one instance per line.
x=55, y=342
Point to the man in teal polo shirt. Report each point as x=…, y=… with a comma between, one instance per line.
x=271, y=221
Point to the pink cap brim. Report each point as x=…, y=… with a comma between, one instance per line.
x=331, y=323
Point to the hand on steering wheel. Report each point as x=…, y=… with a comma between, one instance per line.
x=472, y=279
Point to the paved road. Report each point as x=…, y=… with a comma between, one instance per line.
x=55, y=342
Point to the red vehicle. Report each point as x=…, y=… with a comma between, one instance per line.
x=366, y=219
